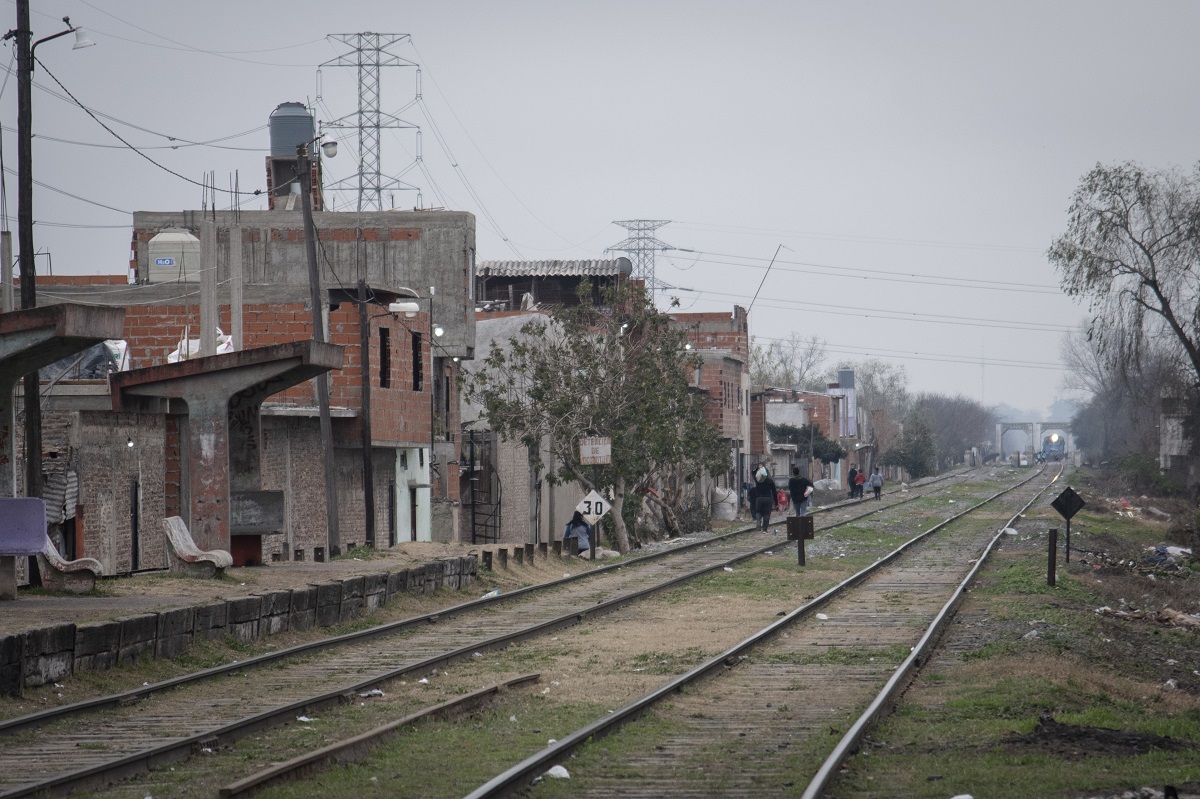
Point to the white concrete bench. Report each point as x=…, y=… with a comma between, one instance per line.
x=74, y=576
x=22, y=534
x=186, y=558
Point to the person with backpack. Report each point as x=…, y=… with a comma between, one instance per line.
x=876, y=482
x=801, y=489
x=579, y=529
x=764, y=496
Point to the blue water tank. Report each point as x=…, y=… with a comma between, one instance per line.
x=290, y=125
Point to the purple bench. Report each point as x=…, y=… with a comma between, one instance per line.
x=22, y=534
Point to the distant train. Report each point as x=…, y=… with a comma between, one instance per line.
x=1054, y=448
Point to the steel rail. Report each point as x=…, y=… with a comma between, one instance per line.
x=45, y=716
x=849, y=742
x=521, y=773
x=353, y=748
x=171, y=751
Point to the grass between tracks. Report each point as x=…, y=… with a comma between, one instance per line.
x=1038, y=694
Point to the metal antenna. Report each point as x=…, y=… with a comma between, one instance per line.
x=368, y=55
x=641, y=245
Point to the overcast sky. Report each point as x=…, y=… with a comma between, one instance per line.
x=913, y=159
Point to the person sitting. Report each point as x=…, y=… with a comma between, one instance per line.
x=580, y=530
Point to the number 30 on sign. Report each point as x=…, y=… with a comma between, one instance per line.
x=593, y=507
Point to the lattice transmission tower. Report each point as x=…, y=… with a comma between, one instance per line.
x=368, y=55
x=641, y=245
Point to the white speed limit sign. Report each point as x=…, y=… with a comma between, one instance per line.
x=592, y=507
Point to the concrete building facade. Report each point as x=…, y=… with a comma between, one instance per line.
x=253, y=285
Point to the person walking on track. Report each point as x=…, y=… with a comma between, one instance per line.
x=876, y=482
x=764, y=493
x=801, y=489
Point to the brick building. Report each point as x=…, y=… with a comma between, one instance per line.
x=252, y=283
x=722, y=340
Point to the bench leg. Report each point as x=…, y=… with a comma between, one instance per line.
x=8, y=577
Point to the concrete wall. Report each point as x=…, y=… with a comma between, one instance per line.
x=37, y=657
x=97, y=447
x=414, y=249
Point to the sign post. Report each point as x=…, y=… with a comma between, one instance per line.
x=1068, y=503
x=592, y=508
x=594, y=451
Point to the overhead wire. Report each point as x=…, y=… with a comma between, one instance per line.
x=486, y=160
x=133, y=125
x=65, y=193
x=182, y=46
x=852, y=349
x=876, y=274
x=883, y=313
x=210, y=143
x=119, y=138
x=854, y=238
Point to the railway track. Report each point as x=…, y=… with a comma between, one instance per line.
x=779, y=712
x=94, y=742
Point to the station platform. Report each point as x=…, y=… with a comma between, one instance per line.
x=159, y=591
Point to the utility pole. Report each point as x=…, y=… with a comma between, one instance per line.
x=23, y=35
x=304, y=166
x=33, y=404
x=368, y=467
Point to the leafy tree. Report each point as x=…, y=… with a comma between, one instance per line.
x=790, y=362
x=878, y=385
x=917, y=451
x=1132, y=251
x=616, y=369
x=1122, y=413
x=958, y=423
x=806, y=437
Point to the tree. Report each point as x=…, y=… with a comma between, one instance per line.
x=616, y=369
x=1132, y=251
x=790, y=362
x=808, y=438
x=917, y=450
x=958, y=423
x=1121, y=415
x=878, y=385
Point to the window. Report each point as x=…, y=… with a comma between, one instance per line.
x=418, y=378
x=385, y=357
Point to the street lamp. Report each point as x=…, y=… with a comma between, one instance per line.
x=304, y=168
x=33, y=408
x=410, y=309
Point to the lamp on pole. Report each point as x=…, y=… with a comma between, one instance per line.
x=410, y=309
x=25, y=50
x=304, y=168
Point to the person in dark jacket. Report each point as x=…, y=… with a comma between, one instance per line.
x=764, y=493
x=579, y=528
x=801, y=489
x=851, y=476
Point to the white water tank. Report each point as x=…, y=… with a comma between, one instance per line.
x=174, y=256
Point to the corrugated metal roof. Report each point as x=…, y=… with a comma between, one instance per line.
x=595, y=267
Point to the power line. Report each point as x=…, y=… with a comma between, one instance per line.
x=858, y=238
x=870, y=313
x=851, y=349
x=118, y=137
x=72, y=101
x=210, y=143
x=963, y=282
x=48, y=187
